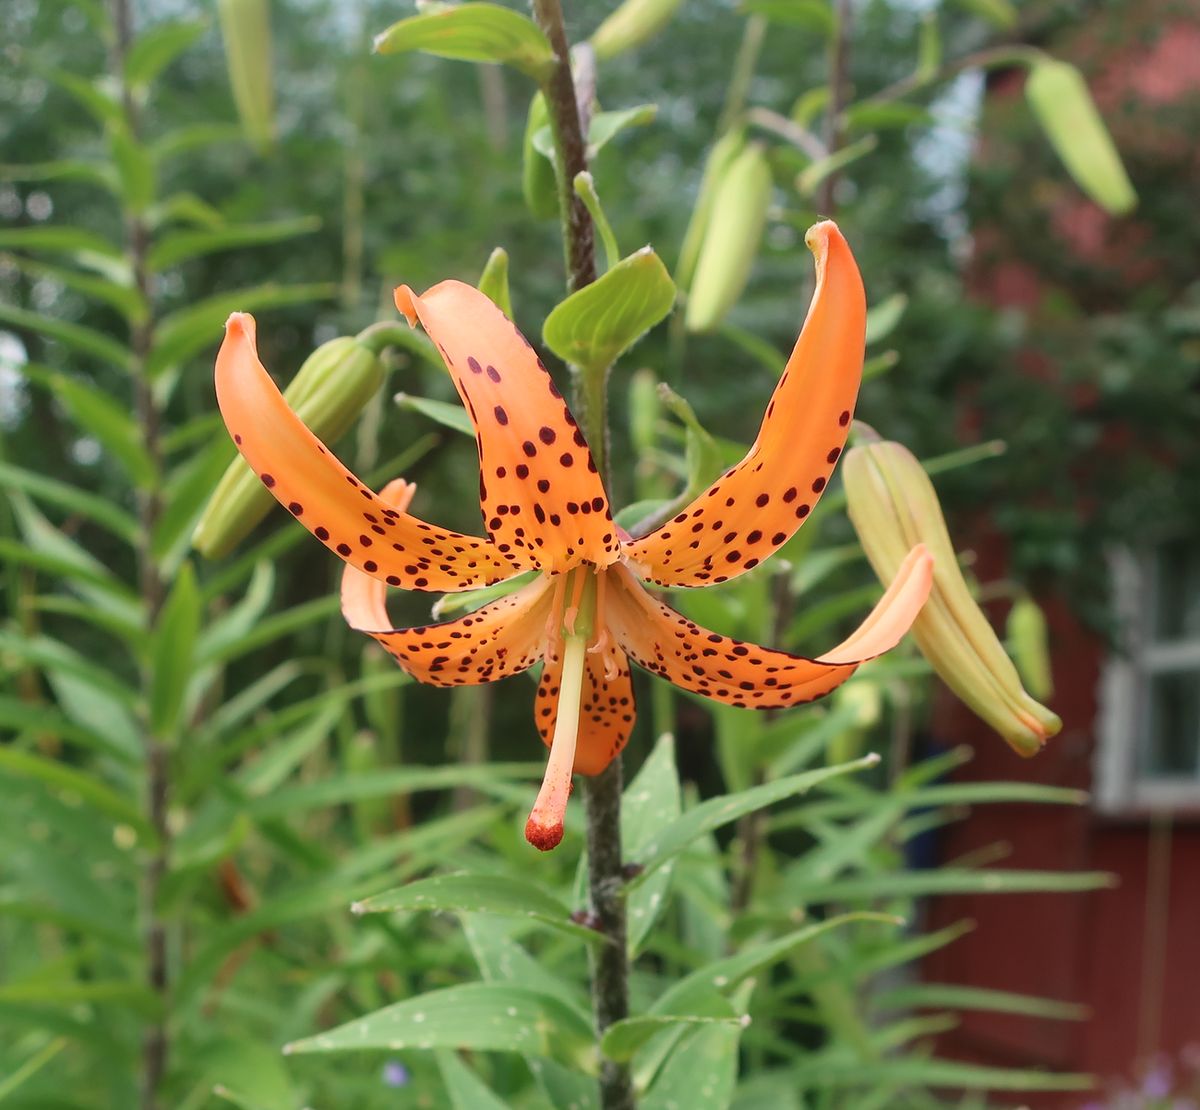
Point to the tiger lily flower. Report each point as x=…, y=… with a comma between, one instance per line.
x=586, y=614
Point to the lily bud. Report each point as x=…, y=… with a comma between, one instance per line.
x=724, y=151
x=246, y=31
x=631, y=24
x=1028, y=642
x=893, y=506
x=644, y=411
x=328, y=393
x=731, y=239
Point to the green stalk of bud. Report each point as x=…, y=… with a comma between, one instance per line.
x=893, y=505
x=328, y=393
x=246, y=31
x=731, y=239
x=632, y=24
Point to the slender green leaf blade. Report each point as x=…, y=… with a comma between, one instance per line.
x=174, y=645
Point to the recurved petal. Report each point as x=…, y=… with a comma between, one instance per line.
x=501, y=639
x=668, y=644
x=757, y=505
x=539, y=490
x=606, y=712
x=327, y=499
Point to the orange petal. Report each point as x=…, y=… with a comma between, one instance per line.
x=606, y=713
x=668, y=644
x=539, y=489
x=756, y=506
x=500, y=639
x=330, y=501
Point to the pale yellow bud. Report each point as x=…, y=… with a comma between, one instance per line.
x=893, y=506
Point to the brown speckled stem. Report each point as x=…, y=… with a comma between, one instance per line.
x=602, y=794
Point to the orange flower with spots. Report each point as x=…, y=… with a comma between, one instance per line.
x=587, y=613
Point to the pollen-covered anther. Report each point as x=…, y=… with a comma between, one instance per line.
x=544, y=829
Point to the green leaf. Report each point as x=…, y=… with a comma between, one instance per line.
x=813, y=15
x=999, y=13
x=180, y=246
x=483, y=1017
x=872, y=116
x=493, y=282
x=821, y=1071
x=464, y=1088
x=69, y=497
x=599, y=322
x=951, y=996
x=100, y=416
x=442, y=412
x=606, y=126
x=702, y=1071
x=811, y=176
x=539, y=184
x=623, y=1038
x=184, y=140
x=76, y=336
x=727, y=808
x=58, y=240
x=184, y=333
x=883, y=317
x=1063, y=105
x=473, y=892
x=951, y=880
x=68, y=169
x=123, y=296
x=103, y=106
x=651, y=802
x=29, y=1067
x=187, y=493
x=175, y=634
x=246, y=1072
x=135, y=168
x=478, y=32
x=155, y=49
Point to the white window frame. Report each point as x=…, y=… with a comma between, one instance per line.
x=1124, y=689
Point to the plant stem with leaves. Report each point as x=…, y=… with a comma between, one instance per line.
x=155, y=1039
x=606, y=879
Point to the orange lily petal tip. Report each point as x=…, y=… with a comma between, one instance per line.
x=543, y=837
x=240, y=324
x=405, y=301
x=817, y=237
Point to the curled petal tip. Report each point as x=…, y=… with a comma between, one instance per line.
x=817, y=237
x=240, y=323
x=405, y=302
x=543, y=836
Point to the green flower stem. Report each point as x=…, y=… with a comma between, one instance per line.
x=606, y=880
x=157, y=765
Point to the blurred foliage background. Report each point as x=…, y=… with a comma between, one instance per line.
x=300, y=771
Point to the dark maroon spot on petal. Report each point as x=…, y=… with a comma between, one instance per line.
x=500, y=472
x=393, y=580
x=473, y=363
x=343, y=549
x=543, y=485
x=597, y=504
x=267, y=480
x=832, y=457
x=547, y=435
x=529, y=448
x=493, y=373
x=522, y=471
x=321, y=533
x=295, y=508
x=754, y=536
x=501, y=415
x=803, y=510
x=844, y=419
x=238, y=440
x=566, y=458
x=778, y=538
x=790, y=495
x=818, y=485
x=762, y=499
x=370, y=567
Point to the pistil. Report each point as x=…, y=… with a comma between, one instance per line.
x=544, y=829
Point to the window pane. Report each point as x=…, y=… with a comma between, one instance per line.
x=1177, y=590
x=1173, y=727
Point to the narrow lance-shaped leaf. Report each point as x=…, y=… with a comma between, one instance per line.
x=174, y=644
x=246, y=31
x=472, y=892
x=153, y=50
x=478, y=32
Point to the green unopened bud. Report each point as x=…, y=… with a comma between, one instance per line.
x=493, y=282
x=631, y=24
x=893, y=506
x=1028, y=640
x=246, y=31
x=328, y=393
x=724, y=151
x=731, y=239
